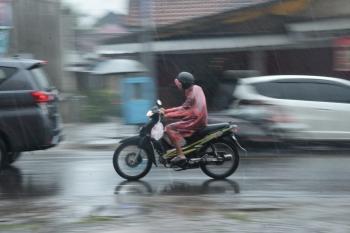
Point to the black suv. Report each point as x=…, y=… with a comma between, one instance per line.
x=29, y=117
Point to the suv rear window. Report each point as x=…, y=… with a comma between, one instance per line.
x=40, y=78
x=6, y=72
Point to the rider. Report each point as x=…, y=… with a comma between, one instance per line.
x=192, y=114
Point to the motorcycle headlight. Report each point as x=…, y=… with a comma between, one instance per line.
x=149, y=114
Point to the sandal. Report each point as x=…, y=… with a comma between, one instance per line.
x=178, y=160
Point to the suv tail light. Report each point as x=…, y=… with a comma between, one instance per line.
x=42, y=96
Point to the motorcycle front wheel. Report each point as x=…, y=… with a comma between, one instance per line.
x=131, y=162
x=225, y=151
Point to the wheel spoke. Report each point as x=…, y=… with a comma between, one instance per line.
x=227, y=160
x=132, y=161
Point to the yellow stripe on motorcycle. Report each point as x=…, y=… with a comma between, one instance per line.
x=189, y=149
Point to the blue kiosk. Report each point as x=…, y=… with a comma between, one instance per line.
x=138, y=97
x=137, y=91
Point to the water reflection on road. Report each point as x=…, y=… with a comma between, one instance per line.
x=181, y=188
x=13, y=185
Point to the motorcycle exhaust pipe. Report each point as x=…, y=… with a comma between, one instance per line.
x=195, y=161
x=202, y=160
x=226, y=157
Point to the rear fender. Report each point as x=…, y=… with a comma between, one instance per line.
x=232, y=138
x=144, y=143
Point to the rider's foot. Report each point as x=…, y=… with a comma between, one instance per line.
x=178, y=160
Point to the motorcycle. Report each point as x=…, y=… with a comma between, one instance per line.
x=214, y=149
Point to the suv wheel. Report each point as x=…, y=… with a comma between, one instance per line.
x=2, y=153
x=12, y=157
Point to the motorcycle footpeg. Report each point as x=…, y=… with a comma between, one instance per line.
x=181, y=164
x=178, y=161
x=177, y=165
x=180, y=167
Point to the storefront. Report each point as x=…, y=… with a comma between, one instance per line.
x=277, y=37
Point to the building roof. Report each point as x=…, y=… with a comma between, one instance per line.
x=166, y=12
x=110, y=18
x=200, y=45
x=118, y=66
x=228, y=18
x=111, y=29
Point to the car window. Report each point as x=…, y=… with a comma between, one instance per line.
x=40, y=78
x=323, y=92
x=299, y=91
x=332, y=93
x=269, y=89
x=6, y=72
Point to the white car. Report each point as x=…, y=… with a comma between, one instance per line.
x=296, y=106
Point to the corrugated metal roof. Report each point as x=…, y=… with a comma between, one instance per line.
x=204, y=45
x=165, y=12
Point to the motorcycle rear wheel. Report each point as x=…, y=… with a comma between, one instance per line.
x=224, y=169
x=131, y=162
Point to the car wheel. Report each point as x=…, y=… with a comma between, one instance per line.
x=12, y=157
x=2, y=153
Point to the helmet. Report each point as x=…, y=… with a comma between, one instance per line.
x=186, y=79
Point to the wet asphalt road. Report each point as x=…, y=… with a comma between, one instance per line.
x=78, y=191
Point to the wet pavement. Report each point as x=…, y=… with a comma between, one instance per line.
x=63, y=190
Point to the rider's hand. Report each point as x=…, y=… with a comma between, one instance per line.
x=162, y=111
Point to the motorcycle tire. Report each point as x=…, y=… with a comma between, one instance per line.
x=120, y=171
x=205, y=167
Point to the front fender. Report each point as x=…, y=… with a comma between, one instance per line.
x=144, y=143
x=134, y=139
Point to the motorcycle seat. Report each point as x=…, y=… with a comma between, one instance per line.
x=212, y=128
x=207, y=130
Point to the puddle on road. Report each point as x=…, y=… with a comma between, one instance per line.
x=208, y=187
x=13, y=185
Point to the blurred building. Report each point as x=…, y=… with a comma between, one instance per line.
x=42, y=28
x=83, y=58
x=111, y=25
x=208, y=37
x=6, y=23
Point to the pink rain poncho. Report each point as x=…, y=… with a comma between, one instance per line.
x=192, y=115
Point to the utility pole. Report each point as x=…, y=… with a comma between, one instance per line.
x=146, y=38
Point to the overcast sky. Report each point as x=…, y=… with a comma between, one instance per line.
x=96, y=8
